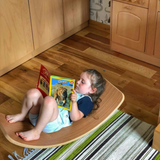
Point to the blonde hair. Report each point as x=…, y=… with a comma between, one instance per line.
x=98, y=82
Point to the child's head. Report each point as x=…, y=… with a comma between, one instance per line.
x=91, y=83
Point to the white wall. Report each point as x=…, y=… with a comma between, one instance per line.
x=100, y=11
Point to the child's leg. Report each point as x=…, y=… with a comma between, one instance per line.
x=31, y=101
x=48, y=113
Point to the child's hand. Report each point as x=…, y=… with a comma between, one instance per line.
x=74, y=96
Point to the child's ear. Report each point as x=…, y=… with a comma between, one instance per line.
x=93, y=90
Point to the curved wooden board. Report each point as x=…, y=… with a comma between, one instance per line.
x=112, y=98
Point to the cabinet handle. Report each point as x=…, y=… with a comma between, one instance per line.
x=128, y=7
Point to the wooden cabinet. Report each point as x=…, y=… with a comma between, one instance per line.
x=76, y=12
x=29, y=27
x=47, y=21
x=157, y=41
x=134, y=25
x=129, y=25
x=16, y=44
x=53, y=21
x=140, y=3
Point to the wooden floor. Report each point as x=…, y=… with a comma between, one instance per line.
x=89, y=48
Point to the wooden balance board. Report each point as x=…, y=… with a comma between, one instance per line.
x=112, y=98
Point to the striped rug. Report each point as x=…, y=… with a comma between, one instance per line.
x=122, y=137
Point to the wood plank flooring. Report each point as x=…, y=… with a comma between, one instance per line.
x=89, y=48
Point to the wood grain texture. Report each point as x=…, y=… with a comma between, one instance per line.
x=127, y=27
x=159, y=116
x=47, y=21
x=156, y=138
x=121, y=63
x=141, y=3
x=112, y=98
x=3, y=98
x=157, y=40
x=151, y=27
x=59, y=39
x=139, y=81
x=16, y=36
x=98, y=38
x=76, y=12
x=136, y=54
x=129, y=24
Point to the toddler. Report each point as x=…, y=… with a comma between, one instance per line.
x=46, y=116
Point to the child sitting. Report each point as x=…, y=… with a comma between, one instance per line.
x=46, y=116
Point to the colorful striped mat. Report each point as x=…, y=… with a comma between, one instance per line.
x=122, y=137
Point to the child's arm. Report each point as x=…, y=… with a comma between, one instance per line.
x=75, y=113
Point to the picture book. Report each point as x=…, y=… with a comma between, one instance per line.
x=58, y=87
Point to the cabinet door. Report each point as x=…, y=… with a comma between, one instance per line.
x=157, y=43
x=16, y=44
x=47, y=21
x=76, y=12
x=129, y=25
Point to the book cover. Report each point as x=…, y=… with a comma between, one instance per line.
x=60, y=89
x=43, y=81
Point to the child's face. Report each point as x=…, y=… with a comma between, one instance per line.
x=83, y=85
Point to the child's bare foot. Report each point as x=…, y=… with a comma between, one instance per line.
x=29, y=135
x=15, y=118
